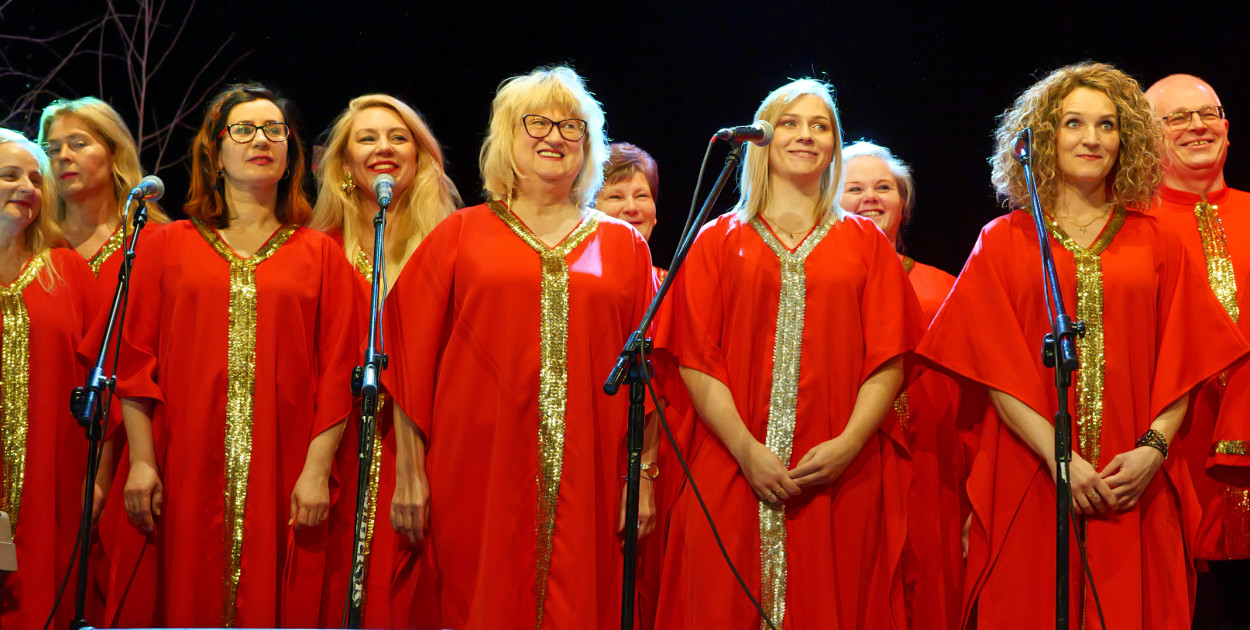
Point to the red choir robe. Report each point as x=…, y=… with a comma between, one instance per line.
x=933, y=562
x=843, y=541
x=390, y=559
x=1224, y=533
x=513, y=514
x=1154, y=309
x=46, y=508
x=177, y=340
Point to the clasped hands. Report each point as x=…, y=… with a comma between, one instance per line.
x=1118, y=487
x=774, y=483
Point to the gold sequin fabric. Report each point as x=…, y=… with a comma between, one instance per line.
x=1090, y=348
x=1219, y=263
x=902, y=410
x=1230, y=447
x=110, y=247
x=553, y=376
x=783, y=403
x=375, y=466
x=15, y=386
x=241, y=370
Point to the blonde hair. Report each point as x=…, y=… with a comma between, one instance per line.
x=557, y=88
x=1137, y=171
x=43, y=233
x=107, y=125
x=898, y=168
x=414, y=211
x=753, y=182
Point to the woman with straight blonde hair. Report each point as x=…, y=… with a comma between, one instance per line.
x=96, y=163
x=502, y=329
x=790, y=321
x=49, y=299
x=377, y=134
x=1146, y=308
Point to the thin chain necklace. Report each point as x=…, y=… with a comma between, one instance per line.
x=1084, y=228
x=793, y=235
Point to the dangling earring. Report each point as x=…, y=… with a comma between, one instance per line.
x=220, y=184
x=348, y=185
x=507, y=202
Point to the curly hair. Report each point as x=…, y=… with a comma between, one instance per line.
x=43, y=234
x=1136, y=174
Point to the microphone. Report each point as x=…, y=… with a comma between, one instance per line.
x=759, y=132
x=1024, y=145
x=150, y=188
x=382, y=187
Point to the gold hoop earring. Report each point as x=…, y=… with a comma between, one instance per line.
x=348, y=185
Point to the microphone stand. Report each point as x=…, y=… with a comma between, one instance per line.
x=1059, y=353
x=87, y=405
x=365, y=385
x=629, y=368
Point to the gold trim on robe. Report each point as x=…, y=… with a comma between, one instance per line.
x=241, y=361
x=553, y=375
x=1090, y=348
x=15, y=386
x=783, y=403
x=114, y=243
x=365, y=267
x=1223, y=281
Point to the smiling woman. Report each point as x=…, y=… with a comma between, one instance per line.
x=503, y=327
x=378, y=134
x=791, y=318
x=48, y=298
x=228, y=475
x=1145, y=307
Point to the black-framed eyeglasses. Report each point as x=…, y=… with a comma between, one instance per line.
x=244, y=132
x=1208, y=115
x=571, y=129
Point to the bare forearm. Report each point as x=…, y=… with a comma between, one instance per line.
x=715, y=404
x=875, y=398
x=321, y=449
x=1028, y=425
x=409, y=444
x=1169, y=420
x=137, y=416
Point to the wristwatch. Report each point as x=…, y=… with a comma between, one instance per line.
x=650, y=471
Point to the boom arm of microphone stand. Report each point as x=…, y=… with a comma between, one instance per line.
x=634, y=345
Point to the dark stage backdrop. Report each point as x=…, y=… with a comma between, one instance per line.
x=926, y=80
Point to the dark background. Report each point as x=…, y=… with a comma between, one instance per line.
x=926, y=80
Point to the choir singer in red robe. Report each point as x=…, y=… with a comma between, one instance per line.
x=377, y=134
x=791, y=321
x=235, y=372
x=880, y=187
x=48, y=298
x=1146, y=307
x=502, y=329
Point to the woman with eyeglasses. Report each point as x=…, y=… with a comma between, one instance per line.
x=791, y=319
x=48, y=299
x=378, y=135
x=502, y=329
x=234, y=376
x=1153, y=332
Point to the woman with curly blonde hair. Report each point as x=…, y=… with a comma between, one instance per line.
x=1145, y=307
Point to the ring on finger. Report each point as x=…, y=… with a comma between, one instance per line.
x=1092, y=494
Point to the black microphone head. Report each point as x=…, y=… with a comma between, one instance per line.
x=1024, y=145
x=767, y=128
x=150, y=188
